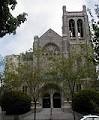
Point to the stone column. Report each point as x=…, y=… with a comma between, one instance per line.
x=51, y=98
x=86, y=25
x=51, y=104
x=40, y=102
x=76, y=30
x=62, y=100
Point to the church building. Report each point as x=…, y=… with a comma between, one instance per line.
x=75, y=32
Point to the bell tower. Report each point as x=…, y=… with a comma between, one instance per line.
x=75, y=28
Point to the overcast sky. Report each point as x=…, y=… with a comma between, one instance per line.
x=42, y=15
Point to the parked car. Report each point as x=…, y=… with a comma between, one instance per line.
x=90, y=117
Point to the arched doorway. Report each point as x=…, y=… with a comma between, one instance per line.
x=46, y=101
x=57, y=100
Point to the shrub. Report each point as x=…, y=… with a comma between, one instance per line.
x=86, y=101
x=15, y=102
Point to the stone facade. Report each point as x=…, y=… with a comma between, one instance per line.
x=75, y=32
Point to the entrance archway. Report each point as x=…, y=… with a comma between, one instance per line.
x=46, y=101
x=57, y=100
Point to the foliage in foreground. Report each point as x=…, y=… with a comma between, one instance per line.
x=9, y=23
x=95, y=32
x=15, y=102
x=86, y=102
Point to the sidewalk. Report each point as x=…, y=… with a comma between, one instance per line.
x=45, y=114
x=57, y=114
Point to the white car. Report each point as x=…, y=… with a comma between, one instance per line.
x=90, y=117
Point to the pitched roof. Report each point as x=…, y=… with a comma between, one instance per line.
x=50, y=32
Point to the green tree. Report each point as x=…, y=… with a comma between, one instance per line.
x=51, y=75
x=24, y=69
x=75, y=69
x=29, y=73
x=9, y=23
x=95, y=32
x=11, y=77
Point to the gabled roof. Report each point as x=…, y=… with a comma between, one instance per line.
x=51, y=33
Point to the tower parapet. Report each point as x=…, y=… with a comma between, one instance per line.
x=36, y=42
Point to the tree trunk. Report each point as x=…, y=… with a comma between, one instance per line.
x=74, y=115
x=71, y=106
x=34, y=110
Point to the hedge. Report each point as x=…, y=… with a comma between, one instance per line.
x=15, y=102
x=86, y=102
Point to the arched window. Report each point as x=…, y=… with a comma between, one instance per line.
x=80, y=28
x=72, y=28
x=51, y=48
